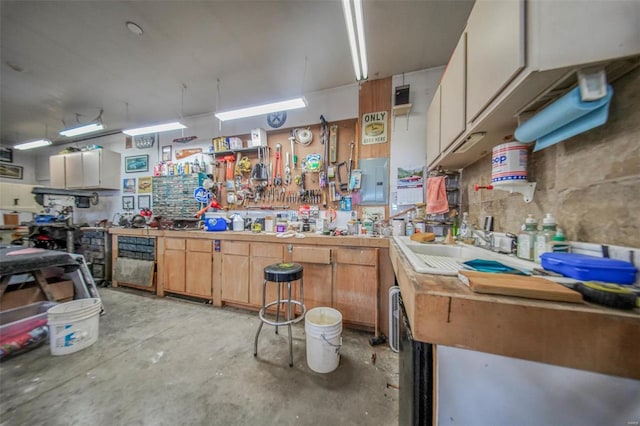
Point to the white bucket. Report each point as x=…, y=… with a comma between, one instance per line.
x=73, y=325
x=509, y=163
x=323, y=327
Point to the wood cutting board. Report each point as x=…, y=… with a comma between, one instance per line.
x=518, y=285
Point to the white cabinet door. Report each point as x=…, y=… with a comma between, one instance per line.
x=92, y=167
x=433, y=128
x=452, y=95
x=74, y=172
x=57, y=171
x=495, y=50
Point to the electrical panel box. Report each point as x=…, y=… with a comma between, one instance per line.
x=375, y=181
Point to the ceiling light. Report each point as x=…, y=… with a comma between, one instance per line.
x=155, y=129
x=134, y=28
x=83, y=129
x=469, y=142
x=33, y=144
x=358, y=48
x=262, y=109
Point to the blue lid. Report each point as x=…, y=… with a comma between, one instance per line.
x=583, y=260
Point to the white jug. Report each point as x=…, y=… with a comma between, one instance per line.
x=237, y=221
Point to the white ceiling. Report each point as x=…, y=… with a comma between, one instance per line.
x=77, y=57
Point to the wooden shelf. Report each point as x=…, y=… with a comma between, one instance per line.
x=234, y=151
x=403, y=109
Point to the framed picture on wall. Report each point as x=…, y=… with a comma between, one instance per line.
x=128, y=202
x=10, y=171
x=136, y=164
x=6, y=155
x=144, y=185
x=166, y=153
x=144, y=201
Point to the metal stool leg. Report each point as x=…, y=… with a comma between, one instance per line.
x=264, y=301
x=289, y=324
x=278, y=305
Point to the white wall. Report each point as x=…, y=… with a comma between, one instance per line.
x=335, y=104
x=409, y=137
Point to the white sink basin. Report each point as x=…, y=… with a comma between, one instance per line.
x=442, y=259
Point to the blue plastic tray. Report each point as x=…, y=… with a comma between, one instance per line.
x=590, y=268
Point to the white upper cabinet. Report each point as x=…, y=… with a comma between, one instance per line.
x=452, y=97
x=495, y=50
x=433, y=128
x=96, y=169
x=517, y=56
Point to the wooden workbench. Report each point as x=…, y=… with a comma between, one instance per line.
x=443, y=311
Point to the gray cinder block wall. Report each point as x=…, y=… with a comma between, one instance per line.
x=591, y=182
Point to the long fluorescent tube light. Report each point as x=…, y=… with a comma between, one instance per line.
x=33, y=144
x=262, y=109
x=155, y=129
x=361, y=44
x=83, y=129
x=348, y=19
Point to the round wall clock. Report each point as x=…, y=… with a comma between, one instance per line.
x=276, y=119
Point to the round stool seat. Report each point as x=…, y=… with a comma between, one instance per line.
x=283, y=272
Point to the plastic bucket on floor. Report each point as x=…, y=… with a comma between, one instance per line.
x=323, y=327
x=73, y=325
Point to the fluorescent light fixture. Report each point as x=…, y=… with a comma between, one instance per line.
x=262, y=109
x=33, y=144
x=358, y=48
x=469, y=142
x=83, y=129
x=155, y=129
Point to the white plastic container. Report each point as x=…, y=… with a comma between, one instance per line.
x=323, y=327
x=398, y=227
x=73, y=325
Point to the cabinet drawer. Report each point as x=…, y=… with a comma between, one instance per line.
x=320, y=255
x=267, y=250
x=200, y=245
x=235, y=247
x=174, y=243
x=356, y=256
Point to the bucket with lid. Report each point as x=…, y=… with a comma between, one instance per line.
x=323, y=327
x=73, y=325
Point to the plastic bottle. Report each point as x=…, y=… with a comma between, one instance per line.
x=465, y=231
x=409, y=229
x=544, y=238
x=527, y=238
x=368, y=225
x=559, y=243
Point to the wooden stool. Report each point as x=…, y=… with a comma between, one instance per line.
x=281, y=273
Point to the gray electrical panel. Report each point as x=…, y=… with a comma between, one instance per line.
x=374, y=189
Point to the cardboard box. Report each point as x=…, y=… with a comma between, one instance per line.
x=61, y=291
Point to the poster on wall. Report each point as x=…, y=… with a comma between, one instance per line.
x=129, y=185
x=144, y=185
x=374, y=127
x=410, y=185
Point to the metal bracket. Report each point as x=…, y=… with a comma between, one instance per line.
x=525, y=188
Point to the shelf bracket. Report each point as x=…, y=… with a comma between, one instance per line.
x=525, y=188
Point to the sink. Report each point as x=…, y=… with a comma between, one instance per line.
x=443, y=259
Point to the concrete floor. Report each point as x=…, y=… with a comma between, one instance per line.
x=161, y=361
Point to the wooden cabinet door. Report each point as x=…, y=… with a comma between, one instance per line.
x=198, y=274
x=433, y=128
x=355, y=291
x=317, y=285
x=495, y=50
x=235, y=278
x=452, y=96
x=174, y=270
x=263, y=255
x=92, y=167
x=355, y=285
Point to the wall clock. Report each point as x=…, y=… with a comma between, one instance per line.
x=276, y=119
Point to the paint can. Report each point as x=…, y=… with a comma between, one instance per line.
x=509, y=163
